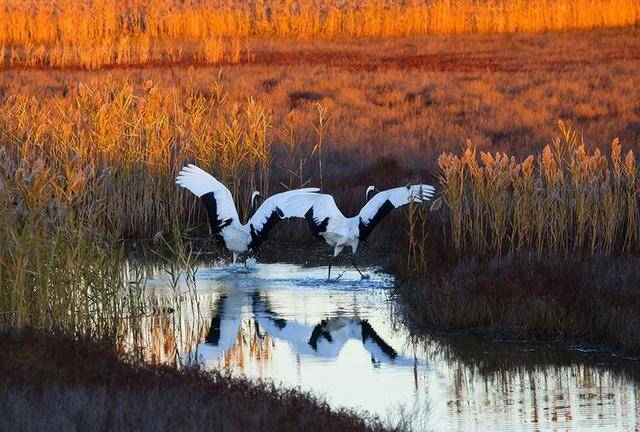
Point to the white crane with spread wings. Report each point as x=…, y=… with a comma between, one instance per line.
x=327, y=222
x=223, y=217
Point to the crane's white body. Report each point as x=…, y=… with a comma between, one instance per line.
x=237, y=239
x=342, y=233
x=223, y=216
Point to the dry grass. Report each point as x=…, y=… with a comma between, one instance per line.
x=55, y=271
x=81, y=171
x=93, y=34
x=568, y=201
x=126, y=51
x=118, y=148
x=59, y=383
x=105, y=152
x=411, y=99
x=594, y=301
x=46, y=22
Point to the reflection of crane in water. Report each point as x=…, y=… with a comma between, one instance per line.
x=325, y=339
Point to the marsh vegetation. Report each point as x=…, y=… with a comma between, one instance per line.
x=141, y=32
x=530, y=137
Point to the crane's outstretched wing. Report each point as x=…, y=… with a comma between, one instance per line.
x=382, y=203
x=320, y=211
x=272, y=210
x=214, y=195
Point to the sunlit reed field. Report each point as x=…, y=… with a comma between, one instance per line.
x=115, y=150
x=524, y=115
x=88, y=158
x=38, y=34
x=569, y=200
x=82, y=172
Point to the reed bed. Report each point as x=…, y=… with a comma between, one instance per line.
x=81, y=171
x=93, y=34
x=569, y=201
x=128, y=50
x=130, y=143
x=55, y=273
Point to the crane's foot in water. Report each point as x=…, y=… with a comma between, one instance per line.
x=250, y=263
x=362, y=275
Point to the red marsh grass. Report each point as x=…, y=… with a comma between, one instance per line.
x=60, y=382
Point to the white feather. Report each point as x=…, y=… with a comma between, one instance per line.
x=200, y=182
x=398, y=197
x=323, y=206
x=237, y=237
x=342, y=231
x=280, y=201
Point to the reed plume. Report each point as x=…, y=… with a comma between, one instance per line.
x=567, y=201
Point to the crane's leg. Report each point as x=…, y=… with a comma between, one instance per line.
x=330, y=264
x=235, y=257
x=362, y=275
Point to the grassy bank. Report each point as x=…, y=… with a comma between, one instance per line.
x=61, y=383
x=590, y=302
x=542, y=247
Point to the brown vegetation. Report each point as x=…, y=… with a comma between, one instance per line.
x=89, y=156
x=58, y=382
x=540, y=248
x=100, y=146
x=568, y=201
x=594, y=301
x=57, y=22
x=411, y=99
x=35, y=33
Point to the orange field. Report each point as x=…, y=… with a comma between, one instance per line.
x=92, y=34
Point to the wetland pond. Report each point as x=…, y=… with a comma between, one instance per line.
x=343, y=340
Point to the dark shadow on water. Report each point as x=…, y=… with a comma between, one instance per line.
x=491, y=358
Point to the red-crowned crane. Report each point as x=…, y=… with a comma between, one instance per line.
x=327, y=222
x=223, y=217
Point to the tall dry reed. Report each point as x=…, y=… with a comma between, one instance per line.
x=568, y=201
x=95, y=33
x=81, y=171
x=136, y=140
x=55, y=272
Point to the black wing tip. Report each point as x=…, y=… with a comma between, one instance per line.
x=366, y=228
x=316, y=227
x=259, y=236
x=319, y=333
x=369, y=333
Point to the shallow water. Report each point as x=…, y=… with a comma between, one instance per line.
x=341, y=340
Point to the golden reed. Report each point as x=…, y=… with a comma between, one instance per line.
x=82, y=170
x=92, y=34
x=567, y=201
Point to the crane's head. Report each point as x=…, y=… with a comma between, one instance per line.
x=370, y=189
x=254, y=195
